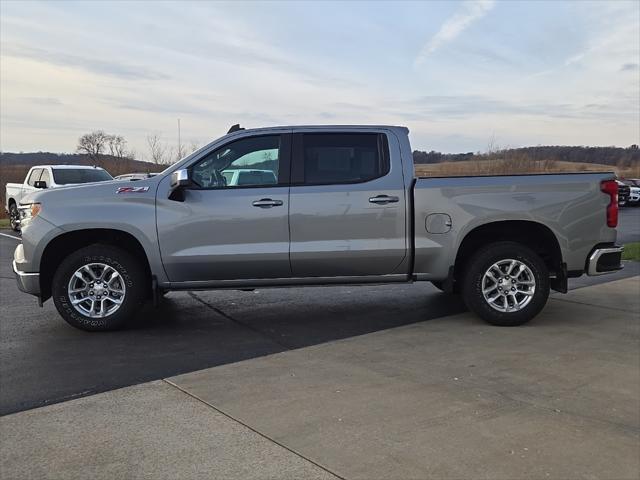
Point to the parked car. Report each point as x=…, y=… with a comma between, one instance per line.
x=346, y=209
x=247, y=176
x=623, y=193
x=634, y=190
x=135, y=176
x=48, y=176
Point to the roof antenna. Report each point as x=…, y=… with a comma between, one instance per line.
x=234, y=128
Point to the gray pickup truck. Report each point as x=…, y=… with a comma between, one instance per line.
x=346, y=209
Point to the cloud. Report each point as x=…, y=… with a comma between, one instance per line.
x=96, y=66
x=44, y=101
x=466, y=106
x=470, y=11
x=629, y=67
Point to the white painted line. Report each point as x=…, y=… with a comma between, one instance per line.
x=10, y=236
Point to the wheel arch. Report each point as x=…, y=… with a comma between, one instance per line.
x=64, y=244
x=534, y=235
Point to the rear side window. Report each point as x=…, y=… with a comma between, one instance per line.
x=343, y=157
x=65, y=176
x=34, y=177
x=45, y=177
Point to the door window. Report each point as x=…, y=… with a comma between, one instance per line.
x=334, y=158
x=34, y=177
x=248, y=162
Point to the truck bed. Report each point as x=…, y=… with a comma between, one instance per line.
x=568, y=204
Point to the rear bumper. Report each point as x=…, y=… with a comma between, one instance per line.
x=605, y=260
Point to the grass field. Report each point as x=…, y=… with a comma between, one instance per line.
x=631, y=251
x=517, y=166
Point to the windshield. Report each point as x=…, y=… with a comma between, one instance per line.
x=64, y=176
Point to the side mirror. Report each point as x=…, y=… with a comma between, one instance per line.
x=40, y=184
x=180, y=178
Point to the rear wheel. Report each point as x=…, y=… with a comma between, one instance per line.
x=99, y=287
x=506, y=284
x=14, y=217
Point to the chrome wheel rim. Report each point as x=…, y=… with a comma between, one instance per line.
x=14, y=216
x=96, y=290
x=508, y=285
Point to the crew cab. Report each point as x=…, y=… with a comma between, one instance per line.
x=346, y=209
x=48, y=176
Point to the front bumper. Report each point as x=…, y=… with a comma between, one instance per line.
x=27, y=282
x=605, y=260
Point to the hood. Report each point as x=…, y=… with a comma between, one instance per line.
x=93, y=190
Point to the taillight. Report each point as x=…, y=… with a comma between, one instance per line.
x=610, y=187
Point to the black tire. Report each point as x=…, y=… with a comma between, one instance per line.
x=438, y=285
x=131, y=272
x=14, y=217
x=480, y=263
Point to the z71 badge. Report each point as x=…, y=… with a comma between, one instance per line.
x=132, y=189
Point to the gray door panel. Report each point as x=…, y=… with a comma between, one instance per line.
x=234, y=223
x=350, y=229
x=221, y=235
x=335, y=230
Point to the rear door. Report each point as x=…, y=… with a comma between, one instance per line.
x=347, y=212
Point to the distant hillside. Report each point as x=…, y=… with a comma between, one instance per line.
x=620, y=157
x=114, y=165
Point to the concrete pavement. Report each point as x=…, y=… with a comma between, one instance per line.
x=448, y=398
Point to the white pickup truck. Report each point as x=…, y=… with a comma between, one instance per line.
x=48, y=176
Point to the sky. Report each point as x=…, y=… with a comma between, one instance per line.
x=461, y=75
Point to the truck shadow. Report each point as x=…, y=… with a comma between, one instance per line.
x=51, y=362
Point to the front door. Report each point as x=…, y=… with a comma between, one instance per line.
x=233, y=223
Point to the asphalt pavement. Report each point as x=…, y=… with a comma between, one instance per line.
x=45, y=361
x=448, y=398
x=629, y=225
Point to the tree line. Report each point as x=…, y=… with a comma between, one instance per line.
x=621, y=157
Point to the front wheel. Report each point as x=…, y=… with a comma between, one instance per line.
x=99, y=287
x=506, y=284
x=14, y=217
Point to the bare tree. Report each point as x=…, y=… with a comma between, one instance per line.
x=157, y=149
x=193, y=146
x=180, y=152
x=92, y=144
x=117, y=146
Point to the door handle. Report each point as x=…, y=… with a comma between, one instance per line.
x=267, y=203
x=383, y=199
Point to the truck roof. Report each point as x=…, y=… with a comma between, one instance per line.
x=68, y=166
x=324, y=127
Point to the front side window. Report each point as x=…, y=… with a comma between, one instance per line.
x=67, y=176
x=344, y=157
x=248, y=162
